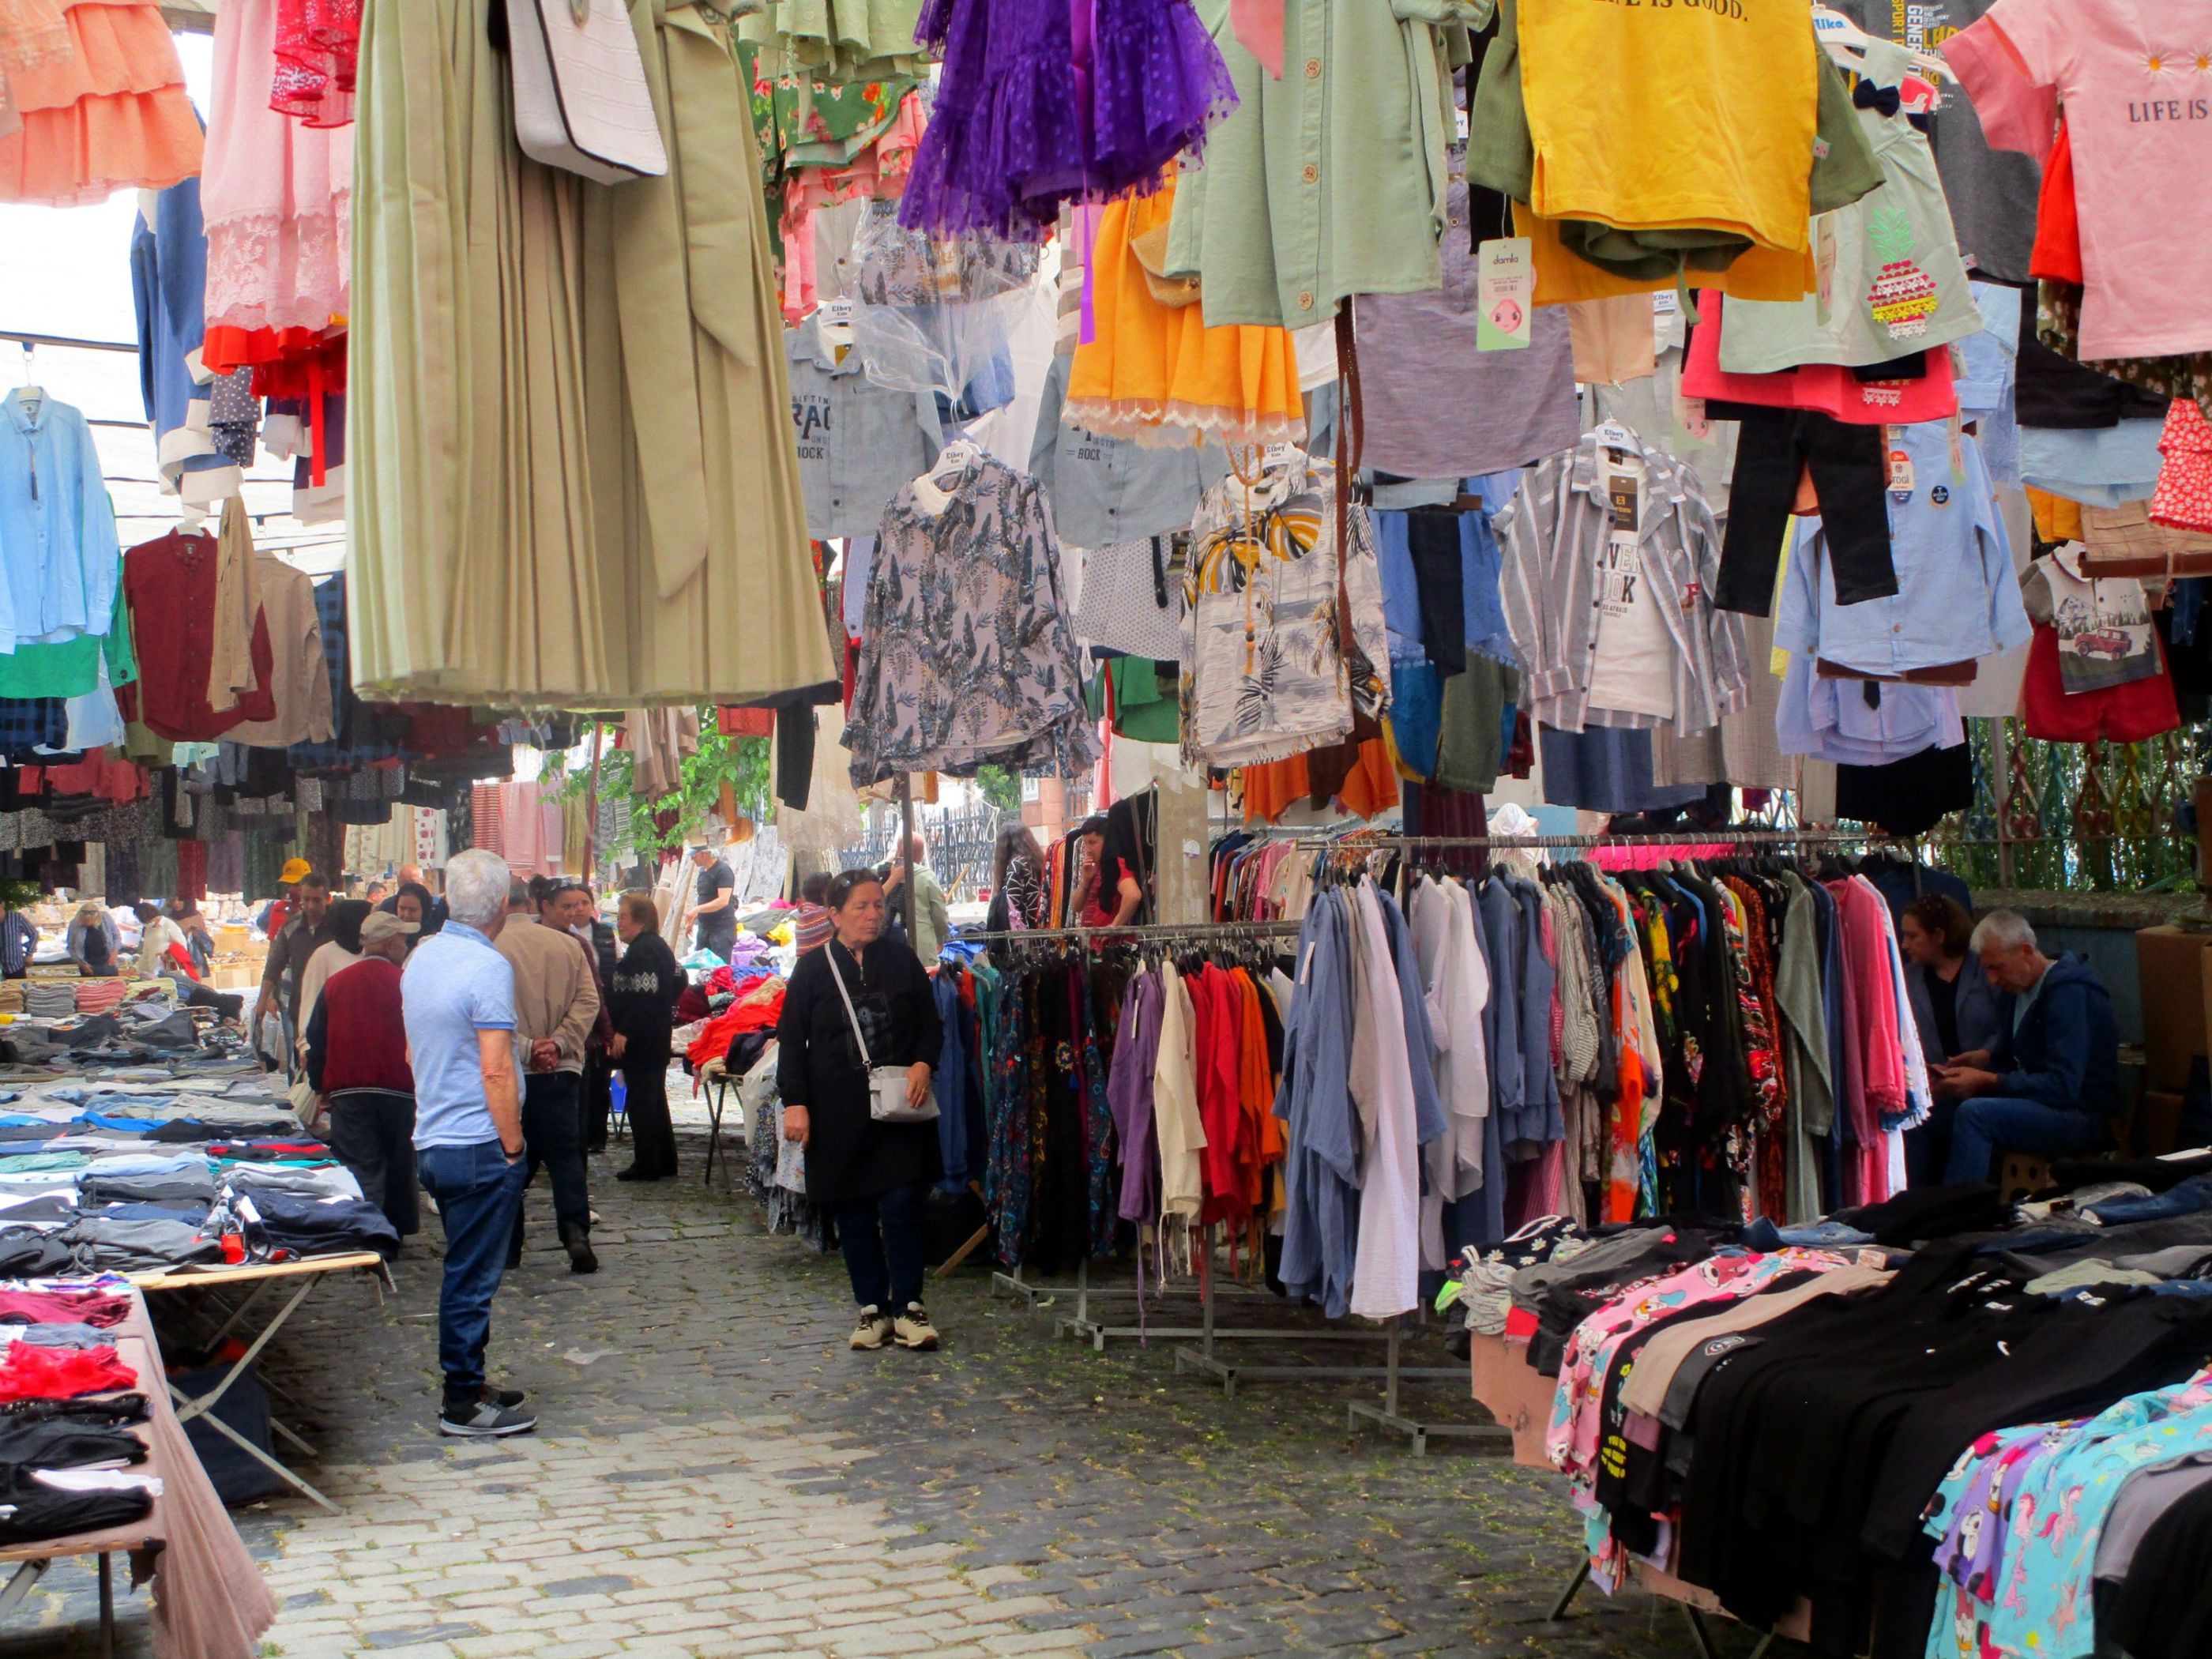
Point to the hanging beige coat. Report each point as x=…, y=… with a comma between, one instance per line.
x=575, y=476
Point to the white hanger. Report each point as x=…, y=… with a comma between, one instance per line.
x=932, y=491
x=30, y=394
x=1846, y=42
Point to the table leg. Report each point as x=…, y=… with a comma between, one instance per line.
x=716, y=1098
x=1567, y=1595
x=106, y=1606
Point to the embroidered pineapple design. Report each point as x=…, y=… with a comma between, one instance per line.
x=1904, y=296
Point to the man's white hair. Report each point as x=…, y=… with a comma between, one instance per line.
x=477, y=887
x=2002, y=930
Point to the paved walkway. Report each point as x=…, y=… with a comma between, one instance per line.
x=716, y=1473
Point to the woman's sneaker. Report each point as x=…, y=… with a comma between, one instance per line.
x=873, y=1330
x=912, y=1328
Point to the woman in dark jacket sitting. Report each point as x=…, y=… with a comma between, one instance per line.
x=872, y=1176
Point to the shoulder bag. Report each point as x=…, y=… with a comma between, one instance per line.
x=582, y=103
x=887, y=1101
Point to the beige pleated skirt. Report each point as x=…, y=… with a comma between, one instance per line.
x=574, y=476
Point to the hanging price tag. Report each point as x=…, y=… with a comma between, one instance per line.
x=1506, y=293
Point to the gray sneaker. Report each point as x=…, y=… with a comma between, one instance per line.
x=486, y=1420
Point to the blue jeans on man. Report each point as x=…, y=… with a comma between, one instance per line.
x=1984, y=1125
x=479, y=1194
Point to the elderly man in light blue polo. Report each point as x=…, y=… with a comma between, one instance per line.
x=456, y=996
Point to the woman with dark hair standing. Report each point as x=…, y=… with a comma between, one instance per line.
x=642, y=1003
x=1954, y=1006
x=860, y=1002
x=411, y=901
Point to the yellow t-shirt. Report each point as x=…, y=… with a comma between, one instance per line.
x=1673, y=113
x=1564, y=276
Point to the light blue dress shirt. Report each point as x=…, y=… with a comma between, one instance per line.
x=1957, y=596
x=57, y=541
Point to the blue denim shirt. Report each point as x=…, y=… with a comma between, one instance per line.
x=858, y=441
x=1957, y=595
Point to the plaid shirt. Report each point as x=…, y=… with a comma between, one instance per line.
x=27, y=723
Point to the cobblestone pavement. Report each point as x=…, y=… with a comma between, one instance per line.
x=716, y=1473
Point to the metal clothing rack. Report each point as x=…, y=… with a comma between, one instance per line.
x=1156, y=932
x=1230, y=1372
x=1359, y=841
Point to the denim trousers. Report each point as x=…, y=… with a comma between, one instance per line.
x=478, y=1191
x=2018, y=1126
x=881, y=1237
x=553, y=1137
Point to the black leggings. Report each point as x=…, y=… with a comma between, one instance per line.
x=645, y=1082
x=1850, y=472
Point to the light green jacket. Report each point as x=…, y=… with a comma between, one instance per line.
x=1330, y=181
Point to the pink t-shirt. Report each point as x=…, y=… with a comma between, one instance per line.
x=2134, y=77
x=1824, y=388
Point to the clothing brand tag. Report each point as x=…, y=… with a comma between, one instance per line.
x=1506, y=293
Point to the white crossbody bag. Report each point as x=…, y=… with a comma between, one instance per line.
x=887, y=1101
x=582, y=103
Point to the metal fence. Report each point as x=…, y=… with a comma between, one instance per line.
x=2056, y=817
x=960, y=844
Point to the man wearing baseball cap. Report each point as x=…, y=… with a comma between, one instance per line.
x=278, y=910
x=357, y=1058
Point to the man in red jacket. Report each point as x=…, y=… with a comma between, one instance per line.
x=357, y=1057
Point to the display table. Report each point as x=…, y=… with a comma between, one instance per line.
x=1520, y=1398
x=209, y=1596
x=253, y=1282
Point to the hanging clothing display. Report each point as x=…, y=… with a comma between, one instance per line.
x=276, y=192
x=967, y=655
x=1613, y=535
x=103, y=113
x=204, y=424
x=1286, y=643
x=1039, y=105
x=57, y=540
x=603, y=325
x=1157, y=372
x=1328, y=180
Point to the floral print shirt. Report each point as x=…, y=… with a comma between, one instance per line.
x=967, y=656
x=1267, y=671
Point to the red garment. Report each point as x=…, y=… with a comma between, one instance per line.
x=744, y=722
x=170, y=584
x=715, y=1036
x=2058, y=253
x=31, y=1372
x=2120, y=713
x=1826, y=388
x=98, y=1308
x=1216, y=1036
x=181, y=959
x=364, y=1035
x=318, y=46
x=192, y=870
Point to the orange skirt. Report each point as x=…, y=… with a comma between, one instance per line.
x=113, y=115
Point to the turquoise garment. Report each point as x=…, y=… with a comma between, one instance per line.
x=2041, y=1594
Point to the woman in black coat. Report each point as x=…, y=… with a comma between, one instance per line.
x=873, y=1177
x=641, y=1007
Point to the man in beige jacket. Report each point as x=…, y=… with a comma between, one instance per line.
x=556, y=1001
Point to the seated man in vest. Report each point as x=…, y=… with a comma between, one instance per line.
x=2052, y=1083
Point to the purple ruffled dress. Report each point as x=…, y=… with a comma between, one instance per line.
x=1045, y=101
